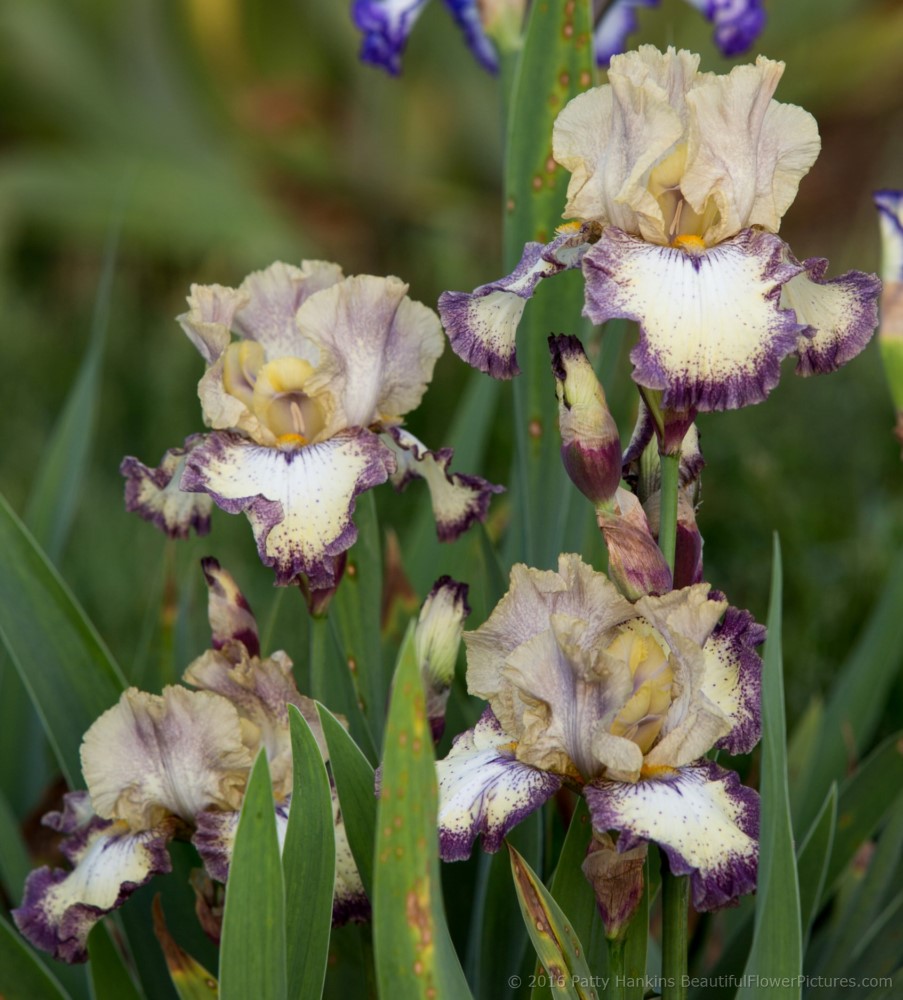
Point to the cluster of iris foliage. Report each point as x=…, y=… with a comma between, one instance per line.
x=332, y=818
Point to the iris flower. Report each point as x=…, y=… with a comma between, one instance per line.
x=306, y=408
x=159, y=767
x=679, y=180
x=621, y=701
x=890, y=334
x=387, y=24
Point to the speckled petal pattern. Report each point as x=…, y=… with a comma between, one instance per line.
x=482, y=325
x=712, y=333
x=705, y=821
x=484, y=790
x=155, y=494
x=458, y=499
x=299, y=502
x=59, y=908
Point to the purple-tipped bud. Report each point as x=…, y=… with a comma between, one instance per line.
x=436, y=641
x=617, y=881
x=635, y=562
x=590, y=444
x=230, y=615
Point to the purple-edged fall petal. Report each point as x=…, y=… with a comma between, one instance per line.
x=110, y=862
x=150, y=757
x=155, y=494
x=712, y=333
x=482, y=325
x=457, y=499
x=299, y=501
x=705, y=821
x=484, y=790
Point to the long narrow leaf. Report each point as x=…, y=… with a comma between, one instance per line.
x=109, y=975
x=777, y=949
x=252, y=948
x=555, y=64
x=814, y=857
x=412, y=947
x=308, y=864
x=559, y=949
x=68, y=671
x=22, y=974
x=354, y=782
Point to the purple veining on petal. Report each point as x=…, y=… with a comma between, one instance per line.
x=62, y=929
x=386, y=25
x=823, y=350
x=507, y=791
x=482, y=325
x=154, y=496
x=613, y=292
x=734, y=641
x=617, y=22
x=467, y=15
x=458, y=499
x=212, y=462
x=718, y=885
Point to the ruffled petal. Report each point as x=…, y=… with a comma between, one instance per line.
x=377, y=349
x=299, y=502
x=705, y=821
x=468, y=18
x=274, y=297
x=840, y=314
x=482, y=325
x=210, y=317
x=484, y=789
x=230, y=615
x=154, y=494
x=618, y=21
x=261, y=691
x=611, y=138
x=153, y=756
x=746, y=152
x=59, y=908
x=712, y=333
x=733, y=677
x=386, y=25
x=458, y=500
x=737, y=23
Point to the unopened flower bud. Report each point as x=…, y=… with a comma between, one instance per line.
x=319, y=598
x=617, y=881
x=688, y=545
x=590, y=444
x=635, y=562
x=890, y=332
x=503, y=22
x=436, y=641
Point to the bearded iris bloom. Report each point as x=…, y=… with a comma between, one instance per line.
x=679, y=180
x=159, y=767
x=306, y=408
x=621, y=701
x=890, y=335
x=387, y=24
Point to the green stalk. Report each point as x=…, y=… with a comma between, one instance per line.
x=675, y=903
x=617, y=975
x=667, y=529
x=675, y=888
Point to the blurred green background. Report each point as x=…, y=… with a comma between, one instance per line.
x=224, y=134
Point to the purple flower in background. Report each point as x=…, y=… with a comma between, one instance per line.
x=386, y=26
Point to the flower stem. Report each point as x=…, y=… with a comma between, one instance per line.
x=675, y=903
x=617, y=977
x=667, y=527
